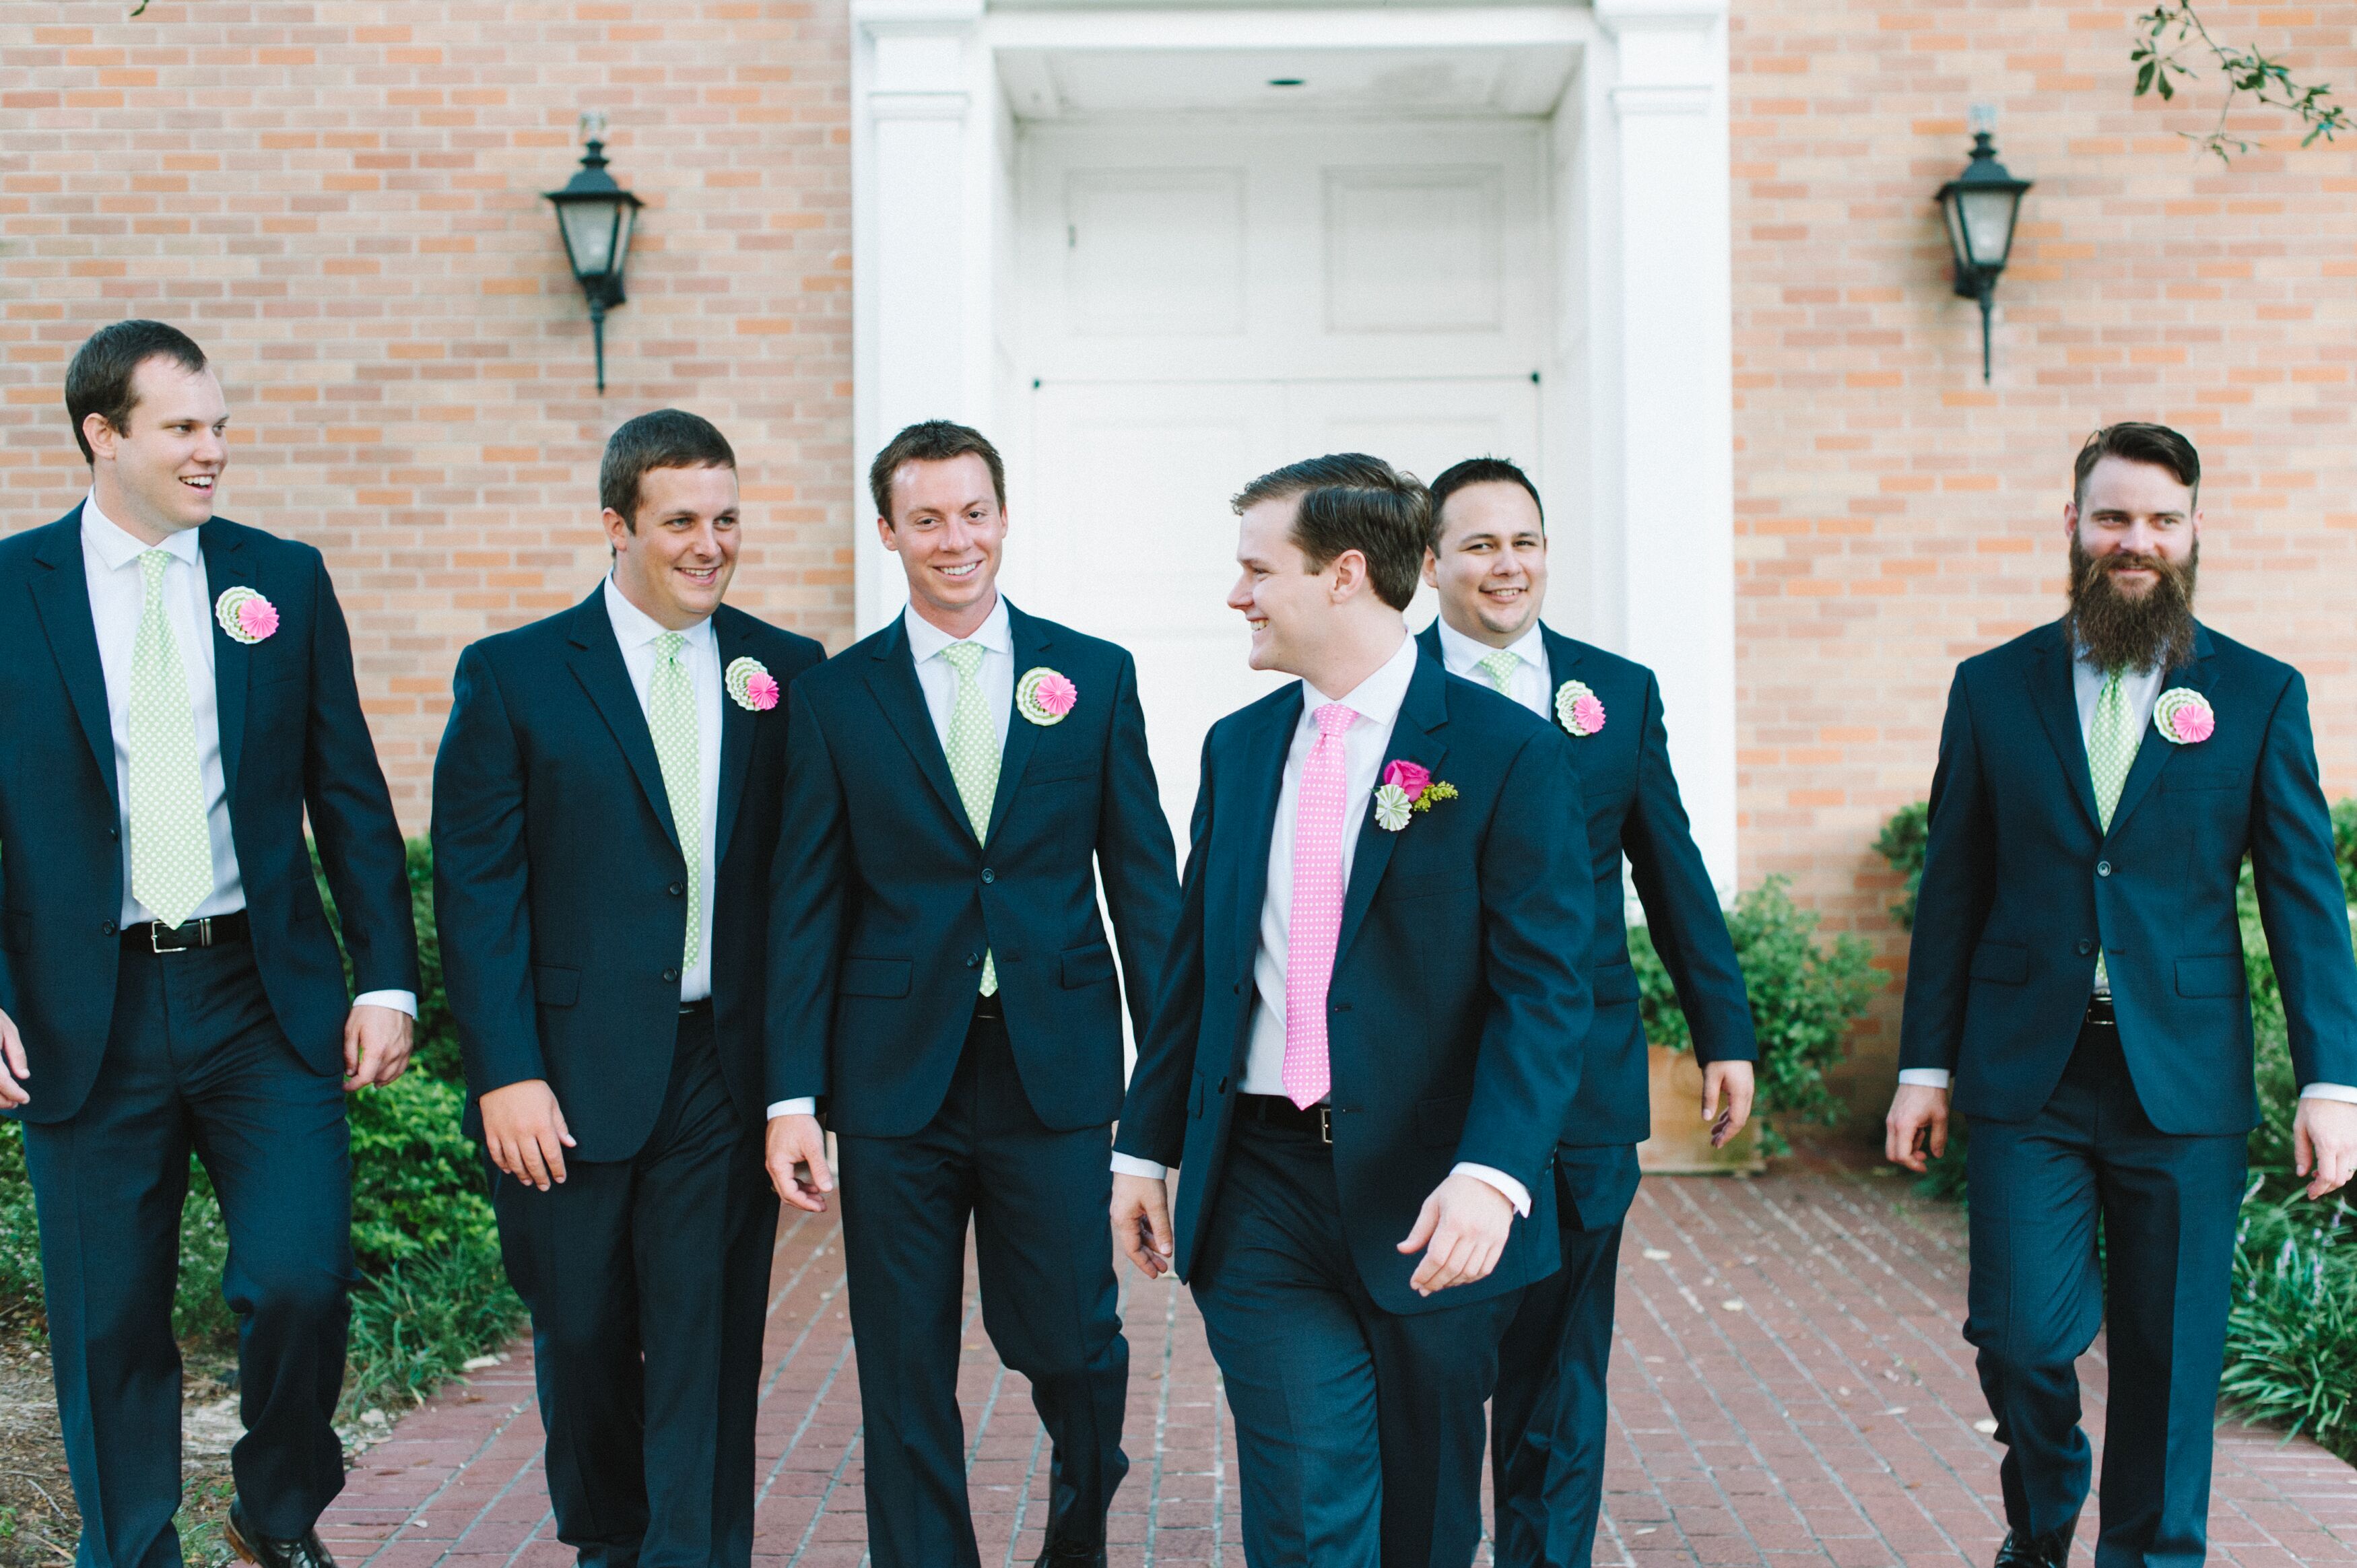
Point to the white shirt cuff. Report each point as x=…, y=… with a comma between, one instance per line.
x=2340, y=1091
x=1516, y=1193
x=1931, y=1077
x=399, y=1001
x=805, y=1106
x=1130, y=1164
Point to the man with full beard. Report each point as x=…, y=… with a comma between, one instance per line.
x=2077, y=971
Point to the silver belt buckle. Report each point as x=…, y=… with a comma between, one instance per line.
x=155, y=929
x=1326, y=1125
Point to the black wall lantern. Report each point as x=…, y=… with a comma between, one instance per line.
x=1980, y=205
x=595, y=216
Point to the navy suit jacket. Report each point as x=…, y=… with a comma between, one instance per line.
x=293, y=740
x=1633, y=808
x=884, y=902
x=2020, y=886
x=559, y=882
x=1460, y=975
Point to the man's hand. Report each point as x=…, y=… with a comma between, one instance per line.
x=1141, y=1222
x=797, y=1161
x=1917, y=1121
x=525, y=1130
x=13, y=1070
x=2324, y=1143
x=376, y=1046
x=1732, y=1080
x=1461, y=1230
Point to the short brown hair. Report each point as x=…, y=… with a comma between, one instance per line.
x=1479, y=471
x=932, y=441
x=100, y=380
x=2154, y=443
x=666, y=438
x=1352, y=501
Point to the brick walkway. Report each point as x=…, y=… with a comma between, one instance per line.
x=1789, y=1388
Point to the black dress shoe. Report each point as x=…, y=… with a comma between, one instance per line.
x=2051, y=1550
x=304, y=1551
x=1071, y=1554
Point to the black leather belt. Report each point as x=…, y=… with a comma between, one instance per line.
x=1277, y=1111
x=701, y=1004
x=2099, y=1012
x=990, y=1006
x=212, y=931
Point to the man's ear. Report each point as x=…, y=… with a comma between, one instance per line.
x=1431, y=570
x=885, y=532
x=101, y=436
x=2069, y=519
x=1346, y=574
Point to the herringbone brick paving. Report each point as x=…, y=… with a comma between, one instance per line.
x=1788, y=1389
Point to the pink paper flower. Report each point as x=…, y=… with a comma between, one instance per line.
x=1045, y=697
x=244, y=615
x=1410, y=777
x=1579, y=709
x=763, y=690
x=2184, y=717
x=1589, y=712
x=750, y=685
x=258, y=617
x=1056, y=695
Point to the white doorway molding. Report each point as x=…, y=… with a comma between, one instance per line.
x=1637, y=415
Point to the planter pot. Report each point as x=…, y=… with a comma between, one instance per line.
x=1680, y=1145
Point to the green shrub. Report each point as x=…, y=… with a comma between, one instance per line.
x=1804, y=998
x=1902, y=842
x=418, y=1321
x=2291, y=1341
x=418, y=1184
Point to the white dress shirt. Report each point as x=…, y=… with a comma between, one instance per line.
x=636, y=631
x=938, y=679
x=1365, y=747
x=2140, y=688
x=1528, y=682
x=118, y=597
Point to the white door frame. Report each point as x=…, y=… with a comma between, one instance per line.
x=1645, y=426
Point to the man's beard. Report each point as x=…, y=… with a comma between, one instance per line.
x=2115, y=631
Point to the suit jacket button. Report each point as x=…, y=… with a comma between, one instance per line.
x=2086, y=947
x=2102, y=868
x=114, y=833
x=988, y=874
x=106, y=928
x=671, y=975
x=677, y=888
x=973, y=960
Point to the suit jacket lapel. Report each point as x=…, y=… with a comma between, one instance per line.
x=225, y=568
x=61, y=598
x=2058, y=710
x=732, y=634
x=1260, y=780
x=1030, y=641
x=598, y=664
x=1426, y=709
x=2153, y=751
x=893, y=679
x=1563, y=663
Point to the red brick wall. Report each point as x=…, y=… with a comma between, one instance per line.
x=340, y=201
x=1894, y=515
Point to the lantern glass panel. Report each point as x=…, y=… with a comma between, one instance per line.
x=1988, y=218
x=589, y=233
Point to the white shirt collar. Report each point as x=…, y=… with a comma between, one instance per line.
x=117, y=549
x=633, y=628
x=1458, y=647
x=926, y=639
x=1377, y=698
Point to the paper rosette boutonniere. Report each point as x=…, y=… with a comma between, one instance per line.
x=245, y=615
x=2184, y=717
x=750, y=685
x=1577, y=708
x=1044, y=695
x=1407, y=788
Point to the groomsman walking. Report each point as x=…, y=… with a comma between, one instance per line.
x=962, y=783
x=1489, y=562
x=1367, y=1041
x=606, y=805
x=2076, y=977
x=176, y=693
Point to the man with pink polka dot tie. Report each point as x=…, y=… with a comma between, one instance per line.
x=1359, y=1058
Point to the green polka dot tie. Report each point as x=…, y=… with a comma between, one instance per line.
x=973, y=749
x=1499, y=665
x=171, y=846
x=670, y=716
x=2111, y=747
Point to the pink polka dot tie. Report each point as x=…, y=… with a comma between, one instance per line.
x=1316, y=920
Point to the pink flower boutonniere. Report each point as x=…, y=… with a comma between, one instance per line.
x=1045, y=697
x=750, y=685
x=1577, y=708
x=2184, y=717
x=1407, y=788
x=245, y=615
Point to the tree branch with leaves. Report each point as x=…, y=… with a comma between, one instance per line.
x=2167, y=29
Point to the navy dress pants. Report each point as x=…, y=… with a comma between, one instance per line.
x=648, y=1281
x=1359, y=1432
x=195, y=1060
x=2168, y=1208
x=1036, y=1198
x=1548, y=1418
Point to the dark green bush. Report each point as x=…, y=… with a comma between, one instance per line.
x=418, y=1184
x=1901, y=842
x=2291, y=1341
x=419, y=1321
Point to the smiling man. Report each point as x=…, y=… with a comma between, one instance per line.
x=606, y=804
x=2076, y=979
x=177, y=696
x=942, y=991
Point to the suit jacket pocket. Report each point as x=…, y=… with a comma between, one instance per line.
x=1615, y=983
x=555, y=985
x=1440, y=1121
x=874, y=977
x=2001, y=963
x=1087, y=966
x=2219, y=975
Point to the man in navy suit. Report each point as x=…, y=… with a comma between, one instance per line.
x=962, y=783
x=177, y=691
x=1489, y=562
x=2077, y=977
x=606, y=805
x=1367, y=1041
